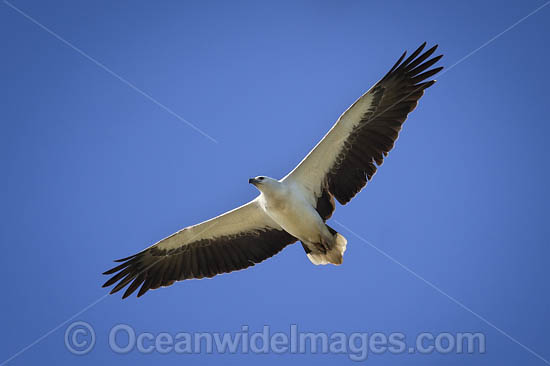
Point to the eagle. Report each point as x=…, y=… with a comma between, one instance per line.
x=296, y=207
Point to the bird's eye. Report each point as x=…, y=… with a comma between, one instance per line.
x=261, y=178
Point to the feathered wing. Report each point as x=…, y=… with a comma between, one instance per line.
x=235, y=240
x=348, y=155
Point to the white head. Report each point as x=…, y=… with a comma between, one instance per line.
x=264, y=184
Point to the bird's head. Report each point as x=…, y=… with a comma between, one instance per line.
x=261, y=182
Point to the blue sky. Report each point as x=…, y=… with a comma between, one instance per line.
x=93, y=171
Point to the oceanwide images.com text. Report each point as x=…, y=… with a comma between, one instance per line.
x=80, y=339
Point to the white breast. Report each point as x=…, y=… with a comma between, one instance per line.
x=292, y=211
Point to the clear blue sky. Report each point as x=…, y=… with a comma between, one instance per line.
x=93, y=171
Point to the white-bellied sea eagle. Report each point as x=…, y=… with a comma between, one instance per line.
x=295, y=207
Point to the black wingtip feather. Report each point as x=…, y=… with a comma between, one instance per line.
x=426, y=65
x=115, y=269
x=125, y=259
x=414, y=54
x=396, y=64
x=426, y=75
x=425, y=85
x=116, y=277
x=133, y=287
x=113, y=291
x=144, y=288
x=421, y=58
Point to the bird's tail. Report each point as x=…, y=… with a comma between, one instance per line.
x=334, y=255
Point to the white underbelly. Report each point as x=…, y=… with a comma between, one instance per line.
x=297, y=218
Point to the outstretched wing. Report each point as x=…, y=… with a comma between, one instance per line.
x=235, y=240
x=347, y=157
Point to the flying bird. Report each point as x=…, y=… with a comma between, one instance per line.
x=296, y=207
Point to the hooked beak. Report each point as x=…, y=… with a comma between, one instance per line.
x=253, y=181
